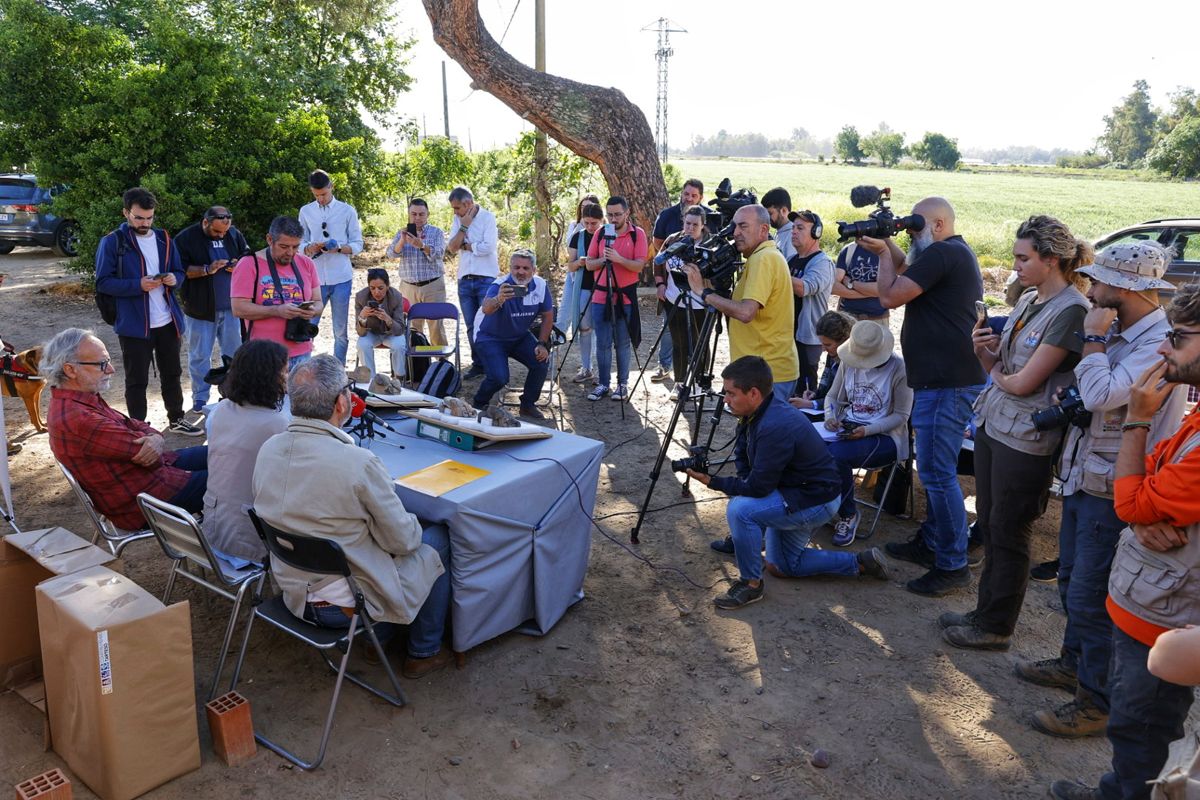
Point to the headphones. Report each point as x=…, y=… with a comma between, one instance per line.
x=817, y=227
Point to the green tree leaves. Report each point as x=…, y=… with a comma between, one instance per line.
x=848, y=146
x=1129, y=130
x=937, y=151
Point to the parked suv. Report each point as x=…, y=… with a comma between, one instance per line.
x=1181, y=235
x=24, y=219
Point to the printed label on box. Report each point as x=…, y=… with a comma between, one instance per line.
x=106, y=680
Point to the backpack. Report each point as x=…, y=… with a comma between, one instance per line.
x=441, y=380
x=420, y=366
x=106, y=304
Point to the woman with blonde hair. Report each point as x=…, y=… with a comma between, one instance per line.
x=1027, y=364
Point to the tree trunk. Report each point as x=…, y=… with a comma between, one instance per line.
x=599, y=124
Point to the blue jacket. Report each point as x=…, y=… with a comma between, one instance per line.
x=120, y=268
x=778, y=448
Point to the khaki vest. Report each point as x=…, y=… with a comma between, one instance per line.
x=1160, y=588
x=1008, y=418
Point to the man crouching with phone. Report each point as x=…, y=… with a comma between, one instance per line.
x=786, y=487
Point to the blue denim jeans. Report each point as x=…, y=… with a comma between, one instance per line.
x=397, y=345
x=608, y=330
x=428, y=628
x=665, y=347
x=195, y=461
x=1146, y=715
x=471, y=291
x=300, y=359
x=784, y=390
x=202, y=335
x=1087, y=540
x=939, y=418
x=787, y=532
x=336, y=298
x=851, y=454
x=493, y=354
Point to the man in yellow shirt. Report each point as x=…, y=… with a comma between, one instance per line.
x=760, y=310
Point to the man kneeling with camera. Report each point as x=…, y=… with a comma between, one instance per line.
x=786, y=487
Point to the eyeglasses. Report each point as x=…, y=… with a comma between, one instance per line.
x=1175, y=337
x=103, y=365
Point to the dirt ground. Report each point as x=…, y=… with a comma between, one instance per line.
x=643, y=689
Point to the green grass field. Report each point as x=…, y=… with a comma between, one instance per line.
x=989, y=206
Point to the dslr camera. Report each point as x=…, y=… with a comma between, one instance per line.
x=1069, y=411
x=298, y=329
x=880, y=223
x=697, y=460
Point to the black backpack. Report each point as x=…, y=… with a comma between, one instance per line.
x=106, y=304
x=441, y=380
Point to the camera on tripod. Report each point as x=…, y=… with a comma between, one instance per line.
x=697, y=460
x=715, y=256
x=1069, y=411
x=880, y=223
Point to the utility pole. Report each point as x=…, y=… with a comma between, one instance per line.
x=541, y=154
x=445, y=100
x=665, y=28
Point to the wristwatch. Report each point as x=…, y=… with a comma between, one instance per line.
x=704, y=294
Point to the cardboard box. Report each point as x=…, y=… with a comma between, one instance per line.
x=120, y=690
x=27, y=559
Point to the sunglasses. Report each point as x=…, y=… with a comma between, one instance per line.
x=1175, y=337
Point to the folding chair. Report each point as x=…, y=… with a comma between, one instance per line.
x=322, y=557
x=116, y=539
x=887, y=486
x=184, y=542
x=435, y=311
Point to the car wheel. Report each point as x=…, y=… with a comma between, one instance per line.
x=66, y=239
x=6, y=248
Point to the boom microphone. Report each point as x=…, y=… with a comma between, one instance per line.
x=865, y=195
x=358, y=409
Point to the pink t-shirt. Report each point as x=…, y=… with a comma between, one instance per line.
x=631, y=244
x=243, y=285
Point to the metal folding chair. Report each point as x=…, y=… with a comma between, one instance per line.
x=887, y=486
x=321, y=557
x=185, y=543
x=116, y=539
x=435, y=311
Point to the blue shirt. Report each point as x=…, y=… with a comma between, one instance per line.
x=670, y=220
x=515, y=317
x=218, y=252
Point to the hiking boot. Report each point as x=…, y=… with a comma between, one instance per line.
x=420, y=667
x=972, y=637
x=620, y=394
x=723, y=545
x=955, y=619
x=661, y=375
x=871, y=562
x=185, y=428
x=532, y=412
x=914, y=550
x=1047, y=672
x=741, y=593
x=1073, y=720
x=939, y=582
x=1070, y=790
x=584, y=376
x=599, y=393
x=844, y=531
x=1046, y=572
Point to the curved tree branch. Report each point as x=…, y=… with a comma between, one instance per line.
x=597, y=123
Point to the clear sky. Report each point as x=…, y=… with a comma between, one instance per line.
x=1020, y=72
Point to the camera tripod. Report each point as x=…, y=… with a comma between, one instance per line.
x=699, y=375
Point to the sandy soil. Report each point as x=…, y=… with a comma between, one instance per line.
x=643, y=689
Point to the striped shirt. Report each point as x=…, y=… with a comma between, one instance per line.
x=415, y=266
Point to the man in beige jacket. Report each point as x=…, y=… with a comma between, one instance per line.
x=311, y=479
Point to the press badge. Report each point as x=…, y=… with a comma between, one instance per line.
x=1032, y=339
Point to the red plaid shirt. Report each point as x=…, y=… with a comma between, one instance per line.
x=96, y=443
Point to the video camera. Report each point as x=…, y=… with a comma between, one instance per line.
x=880, y=223
x=715, y=255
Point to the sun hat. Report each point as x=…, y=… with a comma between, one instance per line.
x=1136, y=266
x=869, y=346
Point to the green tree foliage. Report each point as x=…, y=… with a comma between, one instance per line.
x=848, y=145
x=1130, y=130
x=886, y=146
x=429, y=165
x=937, y=151
x=184, y=113
x=1178, y=153
x=673, y=178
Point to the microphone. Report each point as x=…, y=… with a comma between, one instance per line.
x=864, y=196
x=358, y=409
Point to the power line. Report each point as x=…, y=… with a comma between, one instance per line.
x=665, y=28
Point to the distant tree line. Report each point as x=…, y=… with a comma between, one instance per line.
x=1137, y=134
x=755, y=145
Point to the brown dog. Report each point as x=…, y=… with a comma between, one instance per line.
x=19, y=378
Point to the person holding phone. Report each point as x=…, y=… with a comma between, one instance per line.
x=420, y=249
x=379, y=316
x=869, y=403
x=1027, y=364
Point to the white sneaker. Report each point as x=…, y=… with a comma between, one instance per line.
x=621, y=394
x=598, y=393
x=584, y=376
x=661, y=375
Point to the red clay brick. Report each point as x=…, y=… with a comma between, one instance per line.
x=52, y=785
x=231, y=728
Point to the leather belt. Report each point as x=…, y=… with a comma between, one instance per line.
x=423, y=283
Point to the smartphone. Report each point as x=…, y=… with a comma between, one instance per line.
x=412, y=229
x=519, y=291
x=307, y=305
x=981, y=315
x=848, y=426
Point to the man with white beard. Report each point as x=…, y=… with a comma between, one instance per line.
x=938, y=282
